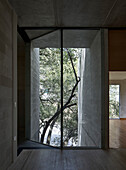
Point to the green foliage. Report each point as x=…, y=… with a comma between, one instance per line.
x=113, y=101
x=49, y=81
x=50, y=92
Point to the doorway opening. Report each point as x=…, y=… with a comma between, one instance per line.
x=117, y=109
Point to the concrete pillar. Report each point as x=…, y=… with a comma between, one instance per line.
x=32, y=93
x=21, y=89
x=28, y=91
x=35, y=105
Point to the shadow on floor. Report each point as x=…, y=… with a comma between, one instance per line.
x=28, y=144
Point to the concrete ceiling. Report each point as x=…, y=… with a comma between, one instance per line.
x=68, y=13
x=117, y=75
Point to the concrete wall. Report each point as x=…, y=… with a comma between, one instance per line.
x=28, y=90
x=89, y=99
x=7, y=83
x=28, y=110
x=122, y=84
x=21, y=89
x=34, y=93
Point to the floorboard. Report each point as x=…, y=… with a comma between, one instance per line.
x=97, y=159
x=45, y=159
x=117, y=133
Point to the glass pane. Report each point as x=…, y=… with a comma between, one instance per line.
x=49, y=89
x=82, y=88
x=113, y=101
x=70, y=85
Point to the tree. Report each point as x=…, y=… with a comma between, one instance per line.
x=50, y=108
x=113, y=101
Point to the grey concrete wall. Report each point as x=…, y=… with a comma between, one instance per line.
x=122, y=84
x=28, y=91
x=89, y=97
x=21, y=88
x=31, y=92
x=7, y=98
x=34, y=93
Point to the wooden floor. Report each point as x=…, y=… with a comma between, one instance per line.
x=54, y=159
x=45, y=159
x=117, y=133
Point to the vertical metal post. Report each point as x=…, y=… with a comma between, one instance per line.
x=61, y=33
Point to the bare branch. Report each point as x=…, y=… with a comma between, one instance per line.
x=72, y=65
x=59, y=111
x=70, y=105
x=40, y=100
x=47, y=100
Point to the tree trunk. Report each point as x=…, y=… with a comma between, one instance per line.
x=50, y=130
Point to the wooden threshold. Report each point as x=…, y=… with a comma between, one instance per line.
x=122, y=118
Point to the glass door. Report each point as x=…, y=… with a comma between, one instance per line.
x=81, y=88
x=70, y=88
x=50, y=89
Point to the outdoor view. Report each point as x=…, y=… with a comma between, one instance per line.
x=50, y=96
x=70, y=83
x=113, y=101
